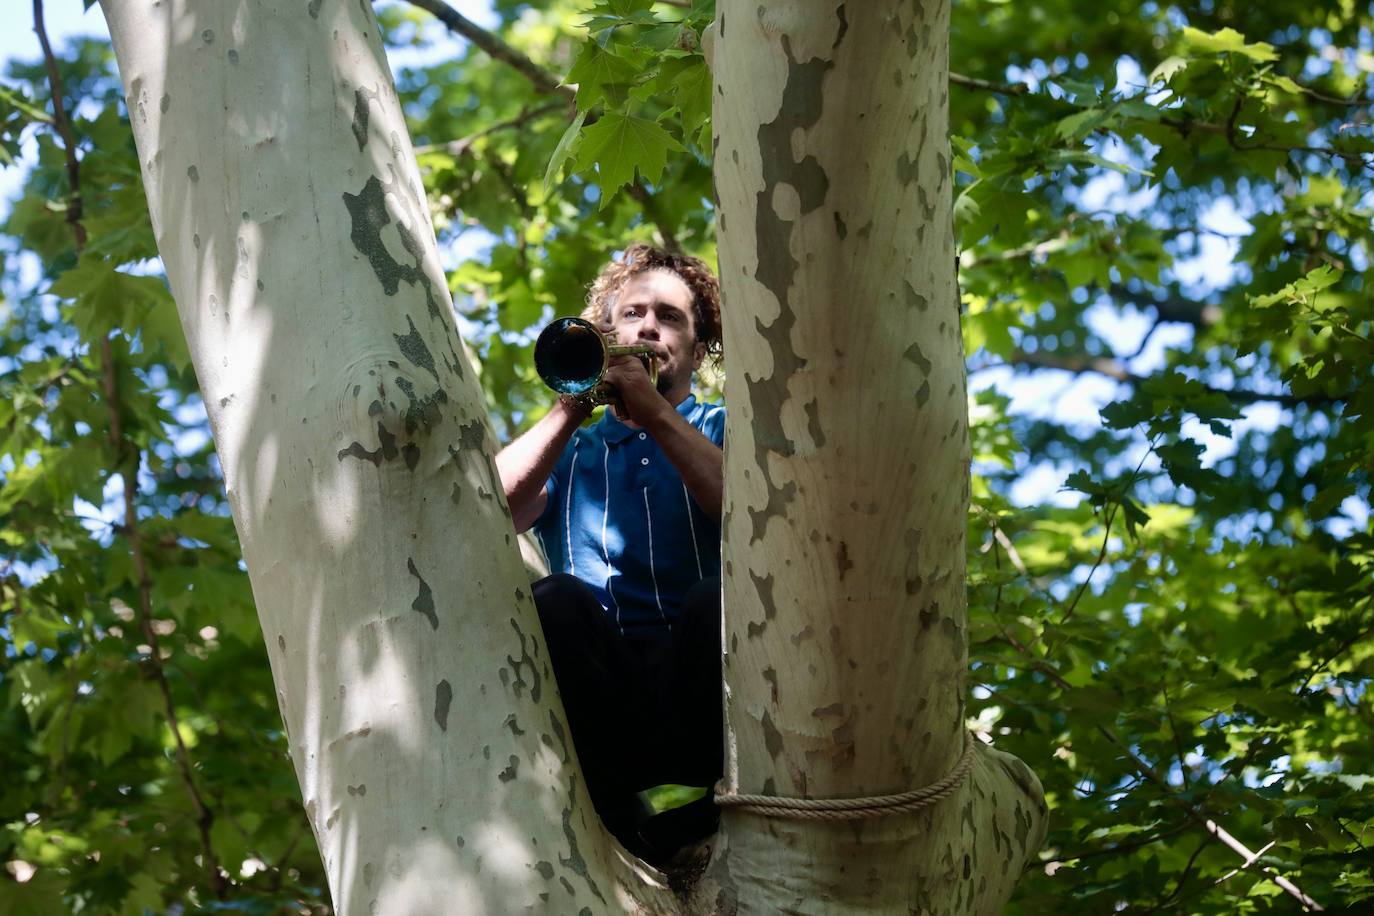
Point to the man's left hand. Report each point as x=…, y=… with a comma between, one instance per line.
x=640, y=400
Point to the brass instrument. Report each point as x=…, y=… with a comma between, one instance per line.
x=571, y=356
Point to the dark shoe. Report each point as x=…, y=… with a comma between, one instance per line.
x=623, y=819
x=664, y=834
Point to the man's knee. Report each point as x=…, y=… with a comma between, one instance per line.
x=556, y=586
x=700, y=616
x=567, y=605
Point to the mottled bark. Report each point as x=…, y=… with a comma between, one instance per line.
x=848, y=468
x=423, y=722
x=424, y=728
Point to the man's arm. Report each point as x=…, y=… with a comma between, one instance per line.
x=525, y=464
x=699, y=461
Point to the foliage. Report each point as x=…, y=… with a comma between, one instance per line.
x=1165, y=217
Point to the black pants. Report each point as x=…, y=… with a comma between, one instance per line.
x=644, y=708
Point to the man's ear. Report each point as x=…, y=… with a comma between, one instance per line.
x=698, y=354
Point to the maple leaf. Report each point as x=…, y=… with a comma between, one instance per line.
x=617, y=144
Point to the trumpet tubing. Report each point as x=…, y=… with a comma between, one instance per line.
x=571, y=356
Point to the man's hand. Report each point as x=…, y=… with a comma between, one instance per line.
x=640, y=400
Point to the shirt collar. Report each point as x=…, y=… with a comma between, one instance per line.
x=616, y=432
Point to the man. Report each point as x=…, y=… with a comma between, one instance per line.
x=628, y=510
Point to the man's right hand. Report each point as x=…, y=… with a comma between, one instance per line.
x=639, y=401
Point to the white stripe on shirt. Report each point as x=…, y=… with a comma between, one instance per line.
x=652, y=572
x=567, y=517
x=693, y=526
x=605, y=513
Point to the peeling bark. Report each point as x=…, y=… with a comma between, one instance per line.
x=289, y=214
x=848, y=468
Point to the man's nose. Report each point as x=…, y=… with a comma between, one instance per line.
x=648, y=327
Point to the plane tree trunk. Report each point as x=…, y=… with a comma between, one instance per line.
x=424, y=725
x=847, y=474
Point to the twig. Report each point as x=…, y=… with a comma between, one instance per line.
x=1249, y=860
x=646, y=201
x=1178, y=742
x=1107, y=534
x=1117, y=848
x=970, y=82
x=1183, y=875
x=1149, y=772
x=494, y=47
x=545, y=82
x=127, y=460
x=1183, y=126
x=63, y=127
x=1116, y=369
x=1337, y=653
x=461, y=146
x=1010, y=548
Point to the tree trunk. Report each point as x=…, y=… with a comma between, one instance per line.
x=423, y=722
x=848, y=469
x=424, y=728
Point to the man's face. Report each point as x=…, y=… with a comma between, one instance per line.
x=655, y=309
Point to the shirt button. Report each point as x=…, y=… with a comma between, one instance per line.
x=644, y=461
x=643, y=435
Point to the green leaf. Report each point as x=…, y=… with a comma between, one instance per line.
x=1228, y=41
x=107, y=298
x=1167, y=69
x=597, y=68
x=41, y=895
x=1300, y=291
x=145, y=896
x=617, y=145
x=688, y=81
x=1080, y=123
x=563, y=150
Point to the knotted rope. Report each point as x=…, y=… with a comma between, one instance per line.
x=844, y=809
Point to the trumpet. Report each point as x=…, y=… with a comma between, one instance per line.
x=571, y=356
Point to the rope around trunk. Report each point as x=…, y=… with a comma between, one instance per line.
x=845, y=809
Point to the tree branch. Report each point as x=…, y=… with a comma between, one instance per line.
x=1117, y=848
x=1107, y=532
x=1176, y=309
x=127, y=460
x=1178, y=740
x=970, y=82
x=1115, y=369
x=1149, y=772
x=646, y=201
x=495, y=48
x=1185, y=126
x=460, y=146
x=542, y=80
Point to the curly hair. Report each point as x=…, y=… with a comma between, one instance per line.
x=640, y=258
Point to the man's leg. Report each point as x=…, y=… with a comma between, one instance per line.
x=596, y=682
x=697, y=696
x=694, y=742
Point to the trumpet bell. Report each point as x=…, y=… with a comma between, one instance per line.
x=570, y=355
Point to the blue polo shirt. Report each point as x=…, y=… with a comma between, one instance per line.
x=620, y=518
